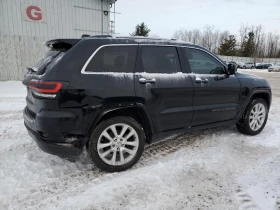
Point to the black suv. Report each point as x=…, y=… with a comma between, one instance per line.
x=114, y=95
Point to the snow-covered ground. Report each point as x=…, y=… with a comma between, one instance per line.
x=210, y=169
x=253, y=70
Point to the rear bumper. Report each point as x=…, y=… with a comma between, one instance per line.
x=62, y=149
x=54, y=148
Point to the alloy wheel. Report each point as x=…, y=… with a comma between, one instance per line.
x=118, y=144
x=257, y=117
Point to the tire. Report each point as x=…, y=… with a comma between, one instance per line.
x=252, y=67
x=243, y=125
x=118, y=158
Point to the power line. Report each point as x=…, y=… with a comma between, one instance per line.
x=191, y=8
x=251, y=22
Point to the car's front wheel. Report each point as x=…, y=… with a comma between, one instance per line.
x=116, y=144
x=254, y=118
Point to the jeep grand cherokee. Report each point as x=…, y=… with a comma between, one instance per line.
x=114, y=95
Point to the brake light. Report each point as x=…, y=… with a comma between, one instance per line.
x=45, y=87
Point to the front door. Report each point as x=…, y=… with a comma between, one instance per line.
x=159, y=84
x=216, y=94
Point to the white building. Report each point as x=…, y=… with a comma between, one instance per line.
x=26, y=24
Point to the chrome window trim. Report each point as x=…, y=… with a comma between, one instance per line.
x=83, y=71
x=96, y=51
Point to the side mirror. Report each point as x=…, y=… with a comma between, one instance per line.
x=232, y=68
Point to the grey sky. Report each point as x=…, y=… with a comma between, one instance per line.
x=164, y=17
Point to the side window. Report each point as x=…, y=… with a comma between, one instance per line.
x=113, y=59
x=162, y=60
x=203, y=63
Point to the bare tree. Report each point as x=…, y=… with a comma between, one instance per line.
x=196, y=39
x=181, y=34
x=272, y=45
x=207, y=39
x=243, y=32
x=258, y=32
x=264, y=44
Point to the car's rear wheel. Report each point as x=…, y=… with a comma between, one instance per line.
x=116, y=144
x=254, y=118
x=252, y=67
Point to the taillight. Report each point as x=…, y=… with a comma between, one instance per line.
x=45, y=89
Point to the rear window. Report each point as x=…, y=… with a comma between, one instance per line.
x=113, y=59
x=51, y=56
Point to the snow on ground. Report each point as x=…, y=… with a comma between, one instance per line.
x=211, y=169
x=253, y=70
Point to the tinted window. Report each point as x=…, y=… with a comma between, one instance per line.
x=203, y=63
x=46, y=60
x=113, y=59
x=160, y=60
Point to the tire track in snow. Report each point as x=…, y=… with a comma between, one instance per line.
x=245, y=200
x=277, y=206
x=77, y=182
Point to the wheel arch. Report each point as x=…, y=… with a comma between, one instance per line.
x=264, y=94
x=137, y=112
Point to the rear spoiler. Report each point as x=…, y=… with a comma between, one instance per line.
x=62, y=43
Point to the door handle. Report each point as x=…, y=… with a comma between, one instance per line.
x=199, y=80
x=145, y=81
x=220, y=77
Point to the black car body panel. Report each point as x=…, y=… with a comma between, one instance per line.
x=175, y=102
x=222, y=100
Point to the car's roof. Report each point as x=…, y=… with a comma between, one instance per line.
x=141, y=40
x=108, y=40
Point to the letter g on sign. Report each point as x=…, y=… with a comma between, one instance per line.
x=34, y=13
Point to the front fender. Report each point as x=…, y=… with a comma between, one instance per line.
x=250, y=96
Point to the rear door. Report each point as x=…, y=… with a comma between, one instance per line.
x=162, y=87
x=108, y=74
x=216, y=94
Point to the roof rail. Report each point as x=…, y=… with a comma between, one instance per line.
x=149, y=38
x=102, y=36
x=138, y=37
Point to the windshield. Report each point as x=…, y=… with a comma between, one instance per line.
x=41, y=66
